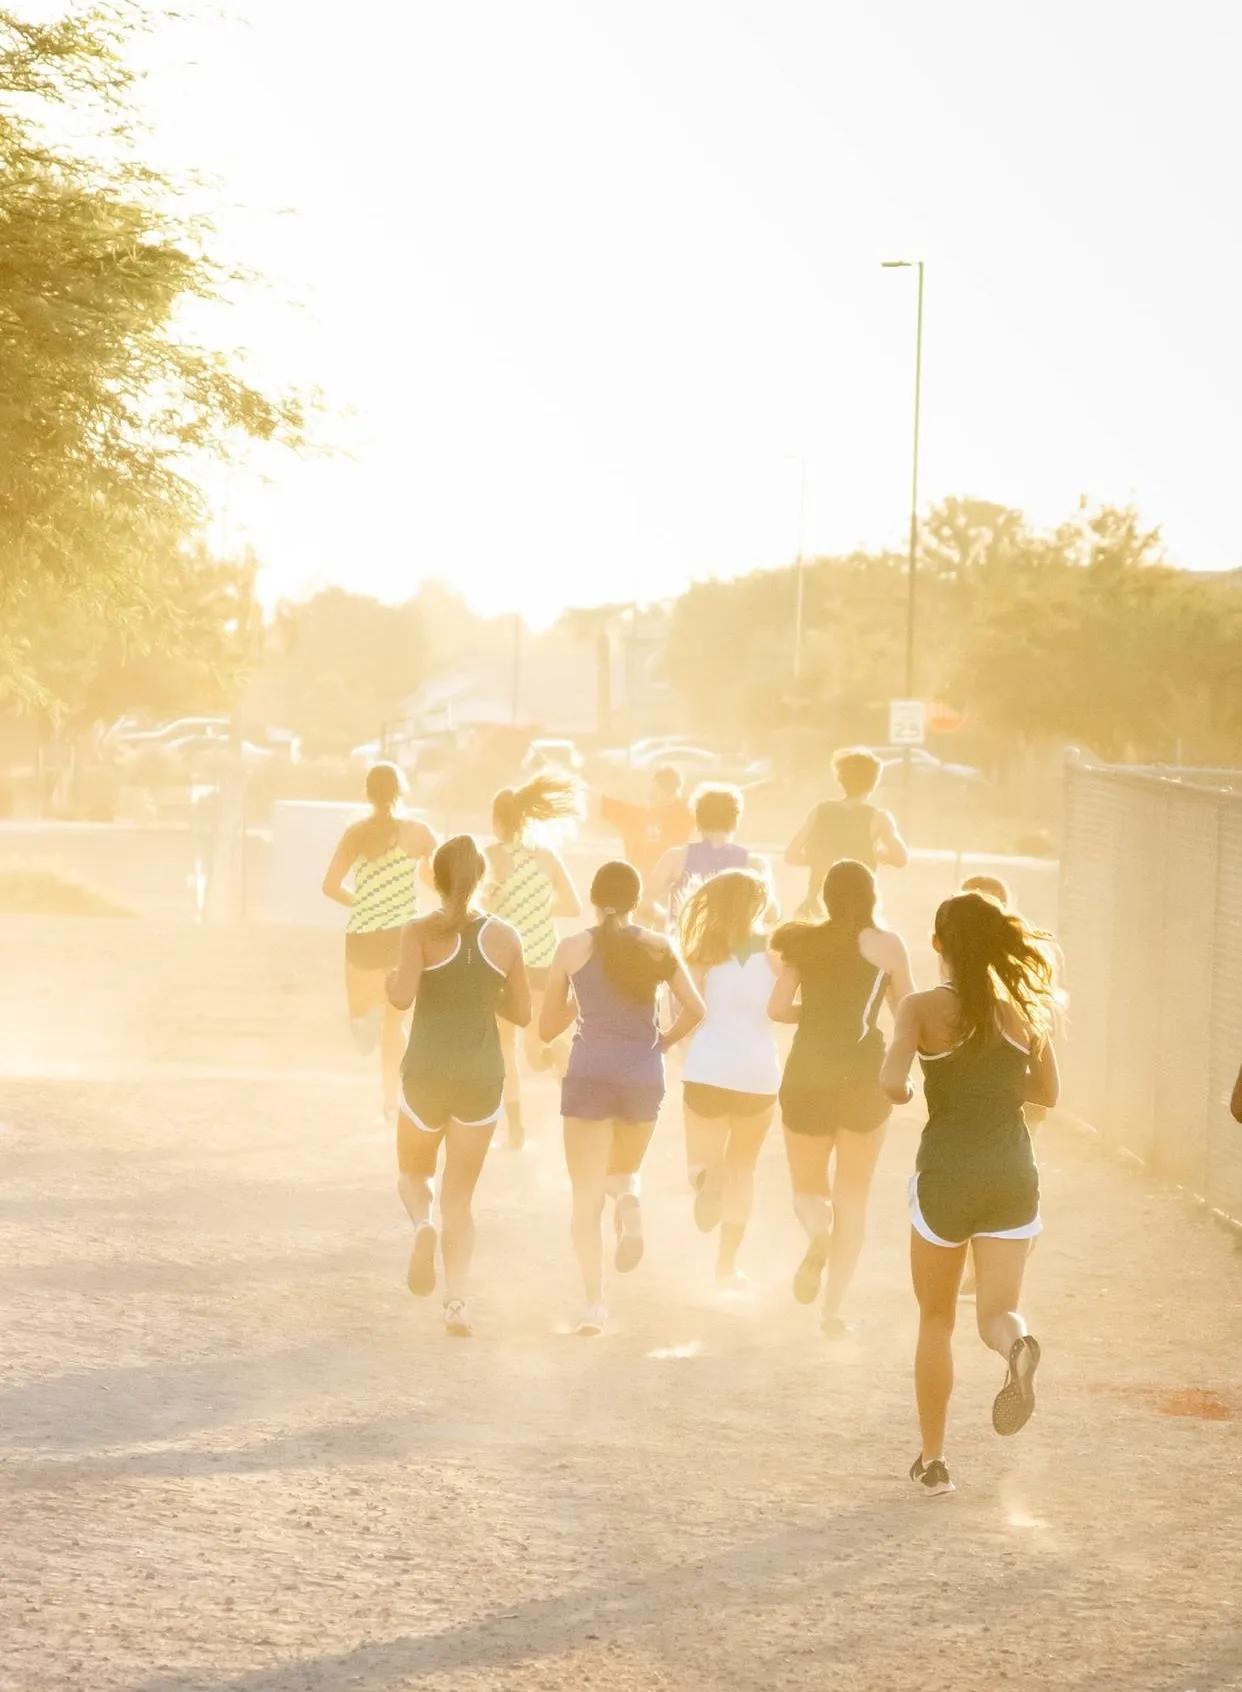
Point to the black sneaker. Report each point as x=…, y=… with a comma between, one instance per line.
x=933, y=1478
x=1015, y=1402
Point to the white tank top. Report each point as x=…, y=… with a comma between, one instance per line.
x=735, y=1044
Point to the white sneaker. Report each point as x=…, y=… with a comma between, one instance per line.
x=457, y=1319
x=593, y=1321
x=733, y=1285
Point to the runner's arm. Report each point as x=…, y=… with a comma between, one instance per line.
x=796, y=851
x=783, y=1004
x=334, y=877
x=557, y=1012
x=568, y=904
x=1235, y=1103
x=1043, y=1081
x=691, y=1009
x=890, y=848
x=514, y=1004
x=900, y=978
x=895, y=1070
x=402, y=983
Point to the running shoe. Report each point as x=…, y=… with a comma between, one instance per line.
x=733, y=1285
x=709, y=1199
x=592, y=1322
x=934, y=1478
x=457, y=1319
x=835, y=1327
x=629, y=1221
x=810, y=1272
x=1015, y=1402
x=420, y=1277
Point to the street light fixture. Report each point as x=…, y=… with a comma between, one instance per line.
x=911, y=567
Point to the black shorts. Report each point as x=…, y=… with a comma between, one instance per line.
x=950, y=1206
x=715, y=1102
x=859, y=1107
x=380, y=949
x=429, y=1104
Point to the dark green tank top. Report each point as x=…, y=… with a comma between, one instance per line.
x=454, y=1024
x=840, y=830
x=974, y=1108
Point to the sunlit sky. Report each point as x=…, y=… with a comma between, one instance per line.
x=581, y=279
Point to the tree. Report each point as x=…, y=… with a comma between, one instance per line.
x=107, y=401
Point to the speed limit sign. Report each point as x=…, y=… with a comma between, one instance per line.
x=907, y=722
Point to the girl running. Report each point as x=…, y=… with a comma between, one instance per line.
x=461, y=969
x=981, y=1037
x=849, y=827
x=836, y=976
x=717, y=817
x=530, y=888
x=383, y=853
x=732, y=1069
x=606, y=980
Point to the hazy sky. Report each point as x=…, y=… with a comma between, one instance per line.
x=584, y=274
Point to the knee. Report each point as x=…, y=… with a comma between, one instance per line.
x=993, y=1325
x=936, y=1322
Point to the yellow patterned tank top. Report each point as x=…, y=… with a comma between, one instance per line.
x=384, y=892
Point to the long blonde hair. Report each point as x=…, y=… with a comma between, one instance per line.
x=721, y=916
x=545, y=798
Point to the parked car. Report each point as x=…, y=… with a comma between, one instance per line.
x=924, y=764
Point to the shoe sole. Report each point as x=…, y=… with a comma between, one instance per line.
x=421, y=1275
x=1014, y=1404
x=458, y=1330
x=935, y=1491
x=810, y=1273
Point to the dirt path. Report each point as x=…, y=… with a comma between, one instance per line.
x=235, y=1456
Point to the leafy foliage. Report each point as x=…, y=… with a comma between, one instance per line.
x=106, y=400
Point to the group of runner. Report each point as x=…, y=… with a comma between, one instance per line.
x=686, y=948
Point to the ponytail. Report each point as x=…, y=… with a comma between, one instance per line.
x=629, y=962
x=545, y=798
x=994, y=955
x=457, y=869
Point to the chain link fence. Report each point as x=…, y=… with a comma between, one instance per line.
x=1151, y=927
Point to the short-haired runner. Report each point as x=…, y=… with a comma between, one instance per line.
x=607, y=979
x=836, y=977
x=382, y=852
x=530, y=888
x=461, y=969
x=982, y=1039
x=849, y=827
x=717, y=818
x=732, y=1069
x=648, y=831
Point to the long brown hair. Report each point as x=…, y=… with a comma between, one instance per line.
x=380, y=832
x=545, y=798
x=457, y=869
x=992, y=954
x=850, y=896
x=629, y=962
x=721, y=916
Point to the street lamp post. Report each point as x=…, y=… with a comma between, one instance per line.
x=912, y=562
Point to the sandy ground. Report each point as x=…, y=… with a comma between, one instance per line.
x=236, y=1456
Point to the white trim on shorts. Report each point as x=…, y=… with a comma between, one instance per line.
x=484, y=1122
x=918, y=1221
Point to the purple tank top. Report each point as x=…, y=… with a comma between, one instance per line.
x=617, y=1039
x=703, y=860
